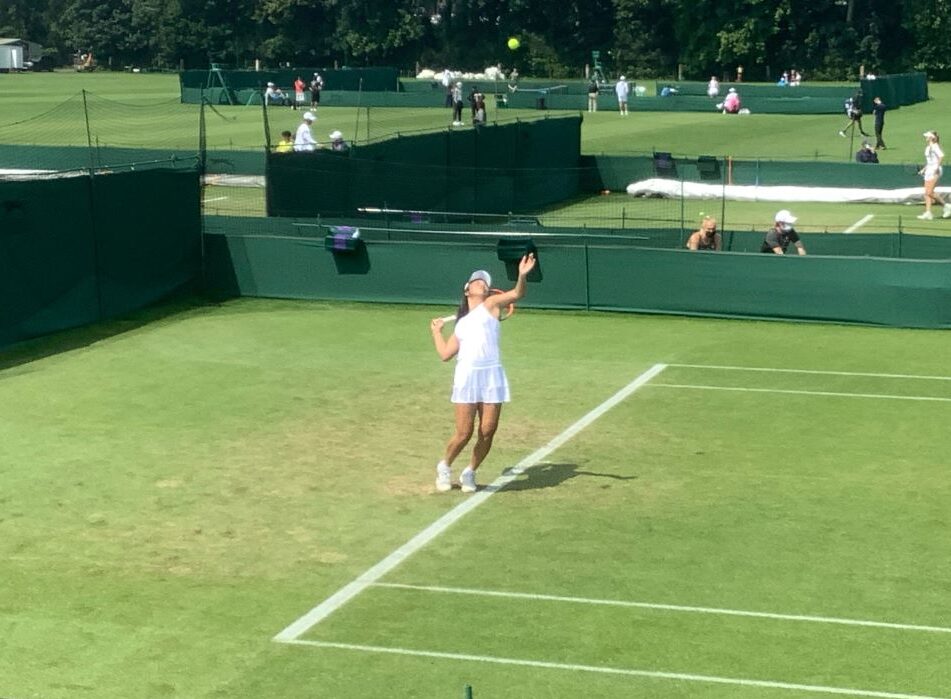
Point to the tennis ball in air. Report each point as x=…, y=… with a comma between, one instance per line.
x=513, y=43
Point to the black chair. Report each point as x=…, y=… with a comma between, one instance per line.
x=665, y=165
x=709, y=167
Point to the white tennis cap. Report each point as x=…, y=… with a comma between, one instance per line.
x=732, y=89
x=785, y=216
x=309, y=116
x=270, y=84
x=335, y=135
x=929, y=134
x=623, y=78
x=480, y=274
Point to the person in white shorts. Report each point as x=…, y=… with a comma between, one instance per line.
x=479, y=386
x=623, y=90
x=931, y=173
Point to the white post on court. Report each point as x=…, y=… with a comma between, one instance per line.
x=368, y=578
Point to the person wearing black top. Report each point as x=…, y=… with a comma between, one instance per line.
x=853, y=109
x=866, y=154
x=782, y=234
x=593, y=92
x=879, y=109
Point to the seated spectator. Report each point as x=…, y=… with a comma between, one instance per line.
x=866, y=154
x=337, y=143
x=707, y=238
x=274, y=95
x=668, y=91
x=286, y=144
x=304, y=139
x=782, y=233
x=731, y=105
x=478, y=114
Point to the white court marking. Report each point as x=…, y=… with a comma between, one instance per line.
x=362, y=582
x=858, y=224
x=836, y=394
x=215, y=199
x=291, y=634
x=666, y=607
x=817, y=372
x=653, y=674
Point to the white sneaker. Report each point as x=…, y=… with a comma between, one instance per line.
x=947, y=211
x=467, y=480
x=443, y=477
x=926, y=216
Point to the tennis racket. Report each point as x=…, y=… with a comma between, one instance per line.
x=507, y=312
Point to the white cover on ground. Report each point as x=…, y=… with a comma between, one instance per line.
x=657, y=187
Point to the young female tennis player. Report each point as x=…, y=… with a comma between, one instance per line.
x=479, y=387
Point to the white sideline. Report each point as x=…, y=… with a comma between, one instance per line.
x=818, y=372
x=653, y=674
x=362, y=582
x=668, y=607
x=837, y=394
x=858, y=224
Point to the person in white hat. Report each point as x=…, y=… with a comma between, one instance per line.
x=931, y=173
x=304, y=139
x=731, y=103
x=623, y=90
x=337, y=143
x=479, y=384
x=782, y=234
x=274, y=95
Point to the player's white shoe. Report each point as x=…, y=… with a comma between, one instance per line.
x=926, y=216
x=947, y=211
x=467, y=480
x=443, y=477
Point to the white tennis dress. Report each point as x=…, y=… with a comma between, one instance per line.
x=933, y=156
x=479, y=376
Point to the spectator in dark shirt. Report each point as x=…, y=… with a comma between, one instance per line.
x=782, y=234
x=879, y=109
x=866, y=154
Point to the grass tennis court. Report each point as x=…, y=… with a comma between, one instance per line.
x=762, y=516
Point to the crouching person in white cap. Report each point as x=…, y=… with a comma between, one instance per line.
x=304, y=139
x=337, y=143
x=782, y=234
x=274, y=95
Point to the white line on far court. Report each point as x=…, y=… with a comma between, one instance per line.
x=652, y=674
x=837, y=394
x=667, y=607
x=858, y=224
x=361, y=583
x=817, y=372
x=214, y=199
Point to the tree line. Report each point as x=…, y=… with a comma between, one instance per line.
x=823, y=39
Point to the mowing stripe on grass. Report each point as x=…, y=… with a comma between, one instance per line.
x=858, y=224
x=666, y=607
x=355, y=587
x=652, y=674
x=837, y=394
x=772, y=370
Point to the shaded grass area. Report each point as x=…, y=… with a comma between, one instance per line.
x=182, y=484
